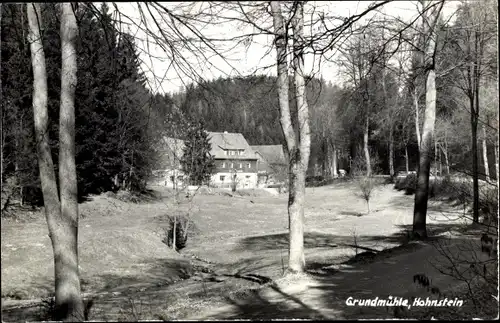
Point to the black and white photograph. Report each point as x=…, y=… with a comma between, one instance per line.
x=249, y=160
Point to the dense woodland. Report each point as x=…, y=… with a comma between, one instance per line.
x=119, y=120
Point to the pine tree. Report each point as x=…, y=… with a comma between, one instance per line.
x=196, y=162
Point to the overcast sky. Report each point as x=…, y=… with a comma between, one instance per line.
x=249, y=57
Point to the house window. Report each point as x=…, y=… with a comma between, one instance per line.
x=222, y=177
x=241, y=165
x=232, y=165
x=223, y=165
x=249, y=165
x=225, y=152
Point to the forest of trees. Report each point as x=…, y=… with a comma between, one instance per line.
x=115, y=111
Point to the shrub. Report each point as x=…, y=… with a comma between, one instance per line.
x=310, y=179
x=408, y=184
x=47, y=309
x=366, y=185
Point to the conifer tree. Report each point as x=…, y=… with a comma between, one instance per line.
x=197, y=162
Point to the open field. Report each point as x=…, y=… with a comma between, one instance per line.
x=236, y=243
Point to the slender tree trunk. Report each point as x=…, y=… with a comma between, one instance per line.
x=445, y=152
x=422, y=190
x=440, y=162
x=475, y=166
x=16, y=164
x=447, y=162
x=3, y=139
x=174, y=234
x=496, y=162
x=130, y=173
x=435, y=159
x=334, y=164
x=18, y=160
x=417, y=121
x=68, y=297
x=474, y=122
x=485, y=156
x=296, y=259
x=2, y=130
x=391, y=153
x=407, y=160
x=366, y=148
x=326, y=159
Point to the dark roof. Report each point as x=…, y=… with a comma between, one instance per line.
x=272, y=154
x=221, y=141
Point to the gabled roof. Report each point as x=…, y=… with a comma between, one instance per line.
x=272, y=154
x=221, y=141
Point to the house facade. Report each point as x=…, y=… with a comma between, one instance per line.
x=234, y=160
x=272, y=166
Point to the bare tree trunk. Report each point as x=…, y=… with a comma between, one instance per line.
x=304, y=132
x=298, y=152
x=68, y=297
x=2, y=130
x=435, y=159
x=334, y=166
x=62, y=217
x=475, y=165
x=406, y=159
x=296, y=239
x=445, y=152
x=366, y=148
x=475, y=171
x=447, y=162
x=496, y=162
x=422, y=190
x=440, y=162
x=417, y=121
x=174, y=234
x=485, y=156
x=325, y=167
x=17, y=161
x=131, y=172
x=391, y=153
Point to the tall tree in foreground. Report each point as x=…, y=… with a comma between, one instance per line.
x=298, y=147
x=61, y=211
x=429, y=22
